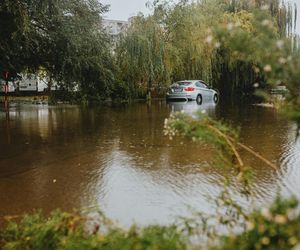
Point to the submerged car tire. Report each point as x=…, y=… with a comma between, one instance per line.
x=216, y=98
x=199, y=99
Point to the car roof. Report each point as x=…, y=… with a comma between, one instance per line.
x=191, y=81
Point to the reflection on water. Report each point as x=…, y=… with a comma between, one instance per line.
x=118, y=159
x=192, y=108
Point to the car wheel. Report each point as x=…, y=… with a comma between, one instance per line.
x=199, y=99
x=216, y=98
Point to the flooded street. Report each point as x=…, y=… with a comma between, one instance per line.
x=117, y=159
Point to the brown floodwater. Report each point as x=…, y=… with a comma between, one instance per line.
x=117, y=159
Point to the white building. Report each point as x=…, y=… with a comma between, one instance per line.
x=11, y=86
x=116, y=27
x=28, y=83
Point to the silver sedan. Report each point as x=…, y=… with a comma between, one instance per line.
x=192, y=90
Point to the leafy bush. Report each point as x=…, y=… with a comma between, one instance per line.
x=276, y=227
x=69, y=231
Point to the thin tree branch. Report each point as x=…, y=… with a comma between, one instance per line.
x=229, y=142
x=257, y=155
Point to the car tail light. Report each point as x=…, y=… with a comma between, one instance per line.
x=189, y=89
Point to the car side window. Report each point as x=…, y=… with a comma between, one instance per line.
x=203, y=85
x=198, y=84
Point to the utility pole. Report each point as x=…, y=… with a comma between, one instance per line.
x=6, y=103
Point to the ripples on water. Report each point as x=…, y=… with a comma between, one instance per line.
x=117, y=158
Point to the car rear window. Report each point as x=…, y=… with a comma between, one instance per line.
x=184, y=83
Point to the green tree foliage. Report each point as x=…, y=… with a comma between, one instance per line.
x=274, y=59
x=62, y=38
x=177, y=42
x=141, y=56
x=13, y=35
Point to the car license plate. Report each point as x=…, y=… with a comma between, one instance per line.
x=177, y=90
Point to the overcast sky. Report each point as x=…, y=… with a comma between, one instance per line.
x=122, y=9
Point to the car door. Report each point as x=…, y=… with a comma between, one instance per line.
x=199, y=89
x=205, y=90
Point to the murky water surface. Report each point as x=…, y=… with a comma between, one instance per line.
x=118, y=159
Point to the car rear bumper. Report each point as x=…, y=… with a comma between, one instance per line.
x=184, y=96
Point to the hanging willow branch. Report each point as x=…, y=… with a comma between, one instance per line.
x=213, y=132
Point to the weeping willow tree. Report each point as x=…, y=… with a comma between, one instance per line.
x=284, y=14
x=188, y=33
x=165, y=47
x=177, y=42
x=237, y=75
x=141, y=56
